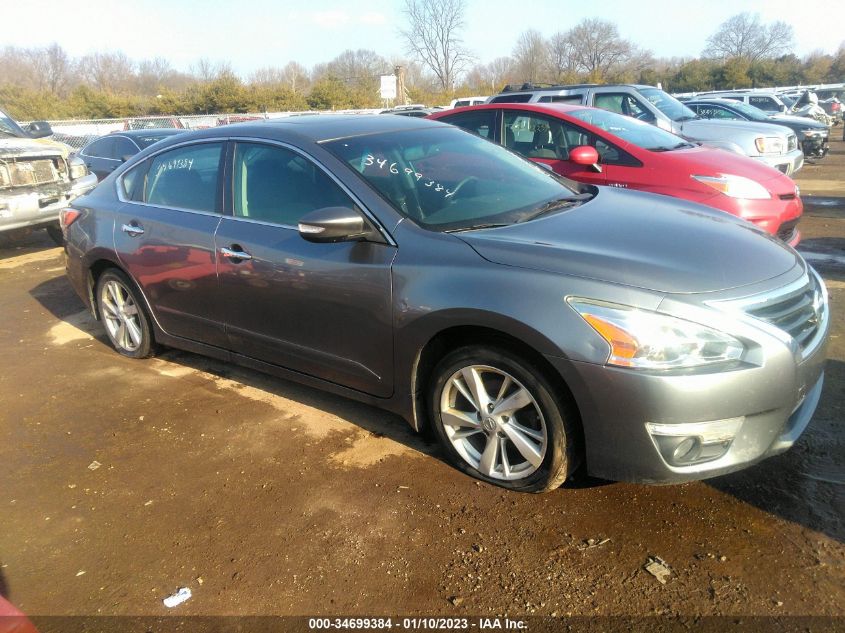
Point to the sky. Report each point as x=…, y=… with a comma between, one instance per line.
x=259, y=33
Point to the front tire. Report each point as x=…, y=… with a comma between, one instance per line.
x=499, y=420
x=124, y=316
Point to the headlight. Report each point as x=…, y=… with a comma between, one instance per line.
x=77, y=168
x=736, y=186
x=770, y=144
x=5, y=178
x=648, y=340
x=812, y=132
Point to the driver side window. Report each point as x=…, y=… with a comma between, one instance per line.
x=274, y=184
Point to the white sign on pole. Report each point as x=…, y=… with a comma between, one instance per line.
x=388, y=86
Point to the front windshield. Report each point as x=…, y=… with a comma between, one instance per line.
x=636, y=132
x=446, y=179
x=667, y=104
x=8, y=126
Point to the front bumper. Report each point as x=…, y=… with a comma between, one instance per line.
x=778, y=215
x=776, y=399
x=815, y=146
x=785, y=163
x=34, y=207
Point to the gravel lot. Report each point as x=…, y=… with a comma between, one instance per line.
x=265, y=497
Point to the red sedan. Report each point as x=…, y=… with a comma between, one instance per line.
x=604, y=148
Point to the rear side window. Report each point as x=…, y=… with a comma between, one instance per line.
x=123, y=147
x=182, y=178
x=101, y=148
x=520, y=98
x=273, y=184
x=576, y=99
x=481, y=122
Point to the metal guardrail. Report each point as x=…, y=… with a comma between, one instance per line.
x=79, y=132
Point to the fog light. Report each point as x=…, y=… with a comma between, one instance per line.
x=694, y=443
x=686, y=450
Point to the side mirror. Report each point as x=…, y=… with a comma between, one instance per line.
x=585, y=155
x=334, y=224
x=39, y=129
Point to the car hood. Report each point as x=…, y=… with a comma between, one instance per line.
x=732, y=126
x=35, y=148
x=788, y=119
x=709, y=161
x=642, y=240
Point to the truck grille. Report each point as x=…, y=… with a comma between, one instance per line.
x=800, y=313
x=22, y=173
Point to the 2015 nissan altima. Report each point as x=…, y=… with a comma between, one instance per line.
x=418, y=267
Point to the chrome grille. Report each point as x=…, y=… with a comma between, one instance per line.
x=799, y=313
x=32, y=172
x=791, y=142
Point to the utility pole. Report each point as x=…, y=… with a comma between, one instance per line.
x=401, y=93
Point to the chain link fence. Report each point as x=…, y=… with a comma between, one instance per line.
x=79, y=132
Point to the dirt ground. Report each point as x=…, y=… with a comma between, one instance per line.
x=265, y=497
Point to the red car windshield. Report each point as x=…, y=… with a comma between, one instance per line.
x=635, y=132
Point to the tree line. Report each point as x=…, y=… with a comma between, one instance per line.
x=46, y=83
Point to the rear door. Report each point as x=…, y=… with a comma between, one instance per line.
x=164, y=236
x=319, y=309
x=548, y=140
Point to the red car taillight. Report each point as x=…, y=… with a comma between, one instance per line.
x=68, y=216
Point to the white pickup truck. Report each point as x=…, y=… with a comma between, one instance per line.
x=38, y=177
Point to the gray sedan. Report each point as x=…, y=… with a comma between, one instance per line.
x=415, y=266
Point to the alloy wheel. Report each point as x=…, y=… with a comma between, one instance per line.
x=493, y=422
x=121, y=316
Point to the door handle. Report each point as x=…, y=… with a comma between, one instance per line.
x=133, y=230
x=235, y=253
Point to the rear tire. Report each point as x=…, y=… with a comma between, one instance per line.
x=124, y=316
x=55, y=233
x=499, y=419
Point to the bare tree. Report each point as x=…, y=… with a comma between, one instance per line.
x=295, y=75
x=357, y=66
x=108, y=71
x=531, y=56
x=563, y=63
x=493, y=76
x=433, y=37
x=153, y=74
x=598, y=49
x=746, y=37
x=57, y=68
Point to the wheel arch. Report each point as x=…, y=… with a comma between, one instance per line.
x=449, y=338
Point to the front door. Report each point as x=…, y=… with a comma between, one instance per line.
x=548, y=140
x=164, y=236
x=319, y=309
